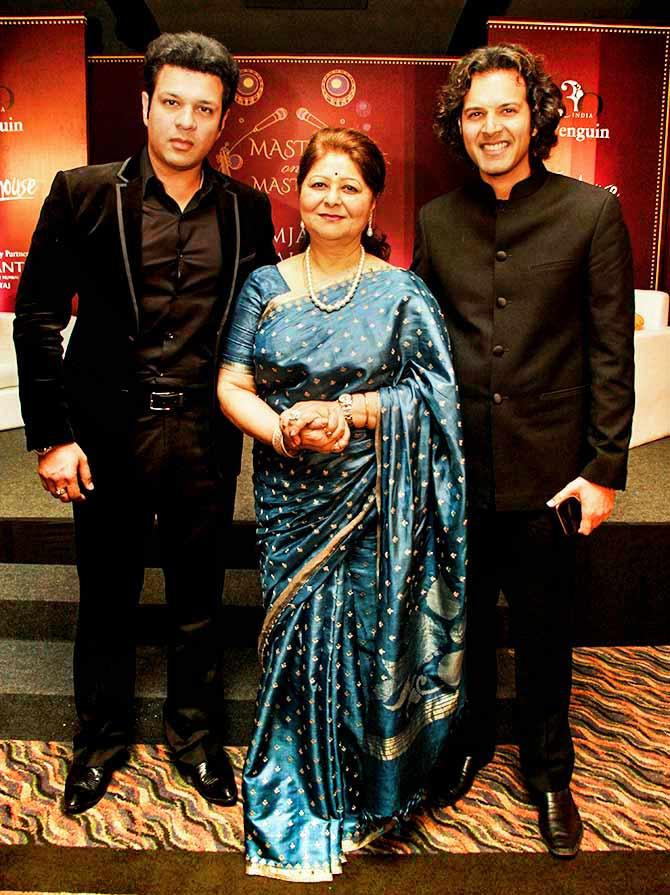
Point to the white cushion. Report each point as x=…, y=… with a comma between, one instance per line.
x=8, y=373
x=653, y=306
x=652, y=386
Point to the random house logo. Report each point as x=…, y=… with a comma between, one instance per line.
x=581, y=105
x=13, y=189
x=8, y=124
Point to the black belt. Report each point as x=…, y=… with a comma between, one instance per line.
x=172, y=400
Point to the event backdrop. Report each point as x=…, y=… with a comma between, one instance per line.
x=42, y=125
x=614, y=78
x=281, y=101
x=615, y=131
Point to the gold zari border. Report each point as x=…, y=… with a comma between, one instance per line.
x=286, y=298
x=303, y=574
x=392, y=747
x=294, y=876
x=237, y=367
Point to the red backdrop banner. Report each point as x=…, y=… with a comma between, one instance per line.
x=42, y=125
x=614, y=79
x=281, y=101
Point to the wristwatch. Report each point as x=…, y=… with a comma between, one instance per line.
x=346, y=402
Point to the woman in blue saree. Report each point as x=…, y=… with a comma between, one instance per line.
x=338, y=365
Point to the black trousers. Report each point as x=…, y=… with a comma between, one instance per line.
x=164, y=473
x=525, y=555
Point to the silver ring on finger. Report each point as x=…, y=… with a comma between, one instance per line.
x=293, y=416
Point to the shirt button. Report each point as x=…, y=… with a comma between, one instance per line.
x=497, y=398
x=501, y=302
x=501, y=255
x=498, y=350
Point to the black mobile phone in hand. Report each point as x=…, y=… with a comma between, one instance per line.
x=569, y=513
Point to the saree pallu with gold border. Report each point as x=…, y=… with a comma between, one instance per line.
x=362, y=566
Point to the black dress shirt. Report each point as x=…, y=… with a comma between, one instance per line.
x=181, y=265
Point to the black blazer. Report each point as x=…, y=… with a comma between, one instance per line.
x=88, y=242
x=539, y=302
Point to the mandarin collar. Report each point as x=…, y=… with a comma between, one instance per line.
x=521, y=190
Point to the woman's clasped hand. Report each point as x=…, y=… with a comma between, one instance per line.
x=315, y=426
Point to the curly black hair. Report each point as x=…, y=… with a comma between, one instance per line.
x=369, y=158
x=196, y=52
x=543, y=95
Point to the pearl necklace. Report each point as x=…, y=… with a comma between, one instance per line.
x=337, y=305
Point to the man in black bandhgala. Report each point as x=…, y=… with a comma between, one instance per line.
x=534, y=274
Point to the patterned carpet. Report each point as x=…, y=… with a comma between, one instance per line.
x=621, y=722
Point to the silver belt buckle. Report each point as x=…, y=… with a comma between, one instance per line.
x=163, y=402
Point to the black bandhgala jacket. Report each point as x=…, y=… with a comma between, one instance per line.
x=538, y=297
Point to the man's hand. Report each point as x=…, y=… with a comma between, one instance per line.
x=597, y=502
x=62, y=470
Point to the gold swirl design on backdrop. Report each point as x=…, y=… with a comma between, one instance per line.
x=250, y=87
x=338, y=87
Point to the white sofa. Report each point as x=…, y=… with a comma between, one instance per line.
x=10, y=411
x=652, y=368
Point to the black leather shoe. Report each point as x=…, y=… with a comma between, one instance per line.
x=452, y=781
x=560, y=823
x=84, y=786
x=213, y=778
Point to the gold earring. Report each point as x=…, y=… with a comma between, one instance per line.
x=369, y=232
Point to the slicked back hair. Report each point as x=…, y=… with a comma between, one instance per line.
x=196, y=52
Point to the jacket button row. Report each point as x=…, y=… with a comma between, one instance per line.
x=501, y=302
x=498, y=350
x=501, y=255
x=497, y=398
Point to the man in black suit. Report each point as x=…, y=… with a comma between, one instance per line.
x=127, y=426
x=534, y=274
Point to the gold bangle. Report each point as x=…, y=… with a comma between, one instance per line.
x=371, y=422
x=279, y=444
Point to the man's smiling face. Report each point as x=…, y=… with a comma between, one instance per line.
x=496, y=127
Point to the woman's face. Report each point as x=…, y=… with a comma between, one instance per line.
x=335, y=201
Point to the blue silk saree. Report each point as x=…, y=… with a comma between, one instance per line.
x=362, y=568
